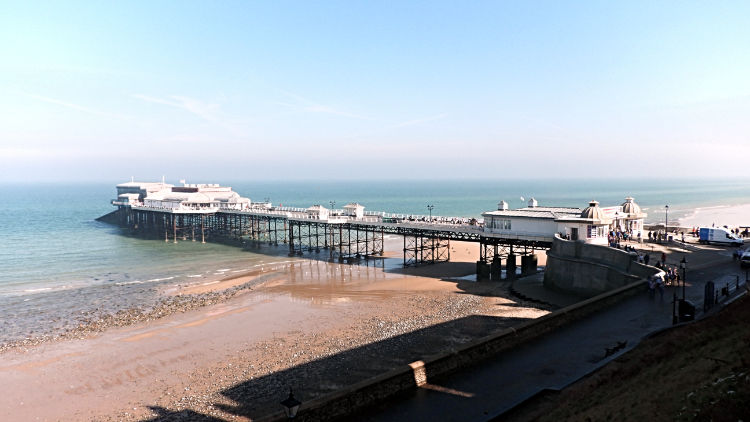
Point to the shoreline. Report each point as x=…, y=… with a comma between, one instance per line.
x=342, y=322
x=733, y=216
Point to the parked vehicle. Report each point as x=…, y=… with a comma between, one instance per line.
x=745, y=260
x=719, y=236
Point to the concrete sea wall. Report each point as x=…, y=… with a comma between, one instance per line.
x=354, y=398
x=589, y=270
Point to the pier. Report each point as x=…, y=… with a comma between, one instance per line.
x=347, y=235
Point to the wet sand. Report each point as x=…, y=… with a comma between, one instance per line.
x=313, y=325
x=732, y=216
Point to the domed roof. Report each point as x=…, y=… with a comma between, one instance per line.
x=593, y=211
x=630, y=207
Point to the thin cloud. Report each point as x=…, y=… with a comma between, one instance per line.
x=62, y=103
x=411, y=122
x=329, y=110
x=313, y=107
x=209, y=112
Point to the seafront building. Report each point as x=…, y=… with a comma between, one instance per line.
x=188, y=197
x=590, y=225
x=133, y=193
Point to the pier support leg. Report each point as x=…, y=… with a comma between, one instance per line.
x=291, y=238
x=483, y=271
x=496, y=272
x=510, y=267
x=528, y=264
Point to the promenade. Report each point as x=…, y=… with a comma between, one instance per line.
x=488, y=390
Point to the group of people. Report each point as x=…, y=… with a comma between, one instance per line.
x=659, y=236
x=655, y=283
x=615, y=236
x=442, y=220
x=671, y=276
x=645, y=258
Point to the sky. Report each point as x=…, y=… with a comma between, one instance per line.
x=373, y=90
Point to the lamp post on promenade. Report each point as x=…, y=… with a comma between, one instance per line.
x=291, y=405
x=430, y=207
x=666, y=221
x=333, y=204
x=683, y=265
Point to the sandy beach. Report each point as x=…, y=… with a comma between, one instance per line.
x=732, y=216
x=312, y=325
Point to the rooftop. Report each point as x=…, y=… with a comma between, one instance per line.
x=536, y=212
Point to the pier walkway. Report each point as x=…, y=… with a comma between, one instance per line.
x=344, y=237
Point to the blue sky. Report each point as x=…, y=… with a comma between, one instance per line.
x=368, y=90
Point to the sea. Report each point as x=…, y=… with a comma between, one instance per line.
x=57, y=261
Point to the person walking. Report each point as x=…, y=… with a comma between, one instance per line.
x=651, y=287
x=640, y=258
x=646, y=259
x=660, y=284
x=663, y=258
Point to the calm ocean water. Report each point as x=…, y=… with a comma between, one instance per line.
x=56, y=259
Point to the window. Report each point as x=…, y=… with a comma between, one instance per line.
x=501, y=224
x=591, y=232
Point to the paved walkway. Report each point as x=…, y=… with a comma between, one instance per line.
x=489, y=389
x=532, y=288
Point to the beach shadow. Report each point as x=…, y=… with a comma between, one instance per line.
x=261, y=396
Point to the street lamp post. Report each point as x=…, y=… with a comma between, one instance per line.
x=683, y=265
x=666, y=221
x=333, y=204
x=430, y=207
x=291, y=405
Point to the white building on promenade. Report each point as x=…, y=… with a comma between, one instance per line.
x=591, y=224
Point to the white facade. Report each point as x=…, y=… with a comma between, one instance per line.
x=588, y=225
x=354, y=210
x=197, y=197
x=318, y=211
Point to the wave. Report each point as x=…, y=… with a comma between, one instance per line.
x=160, y=279
x=153, y=280
x=710, y=208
